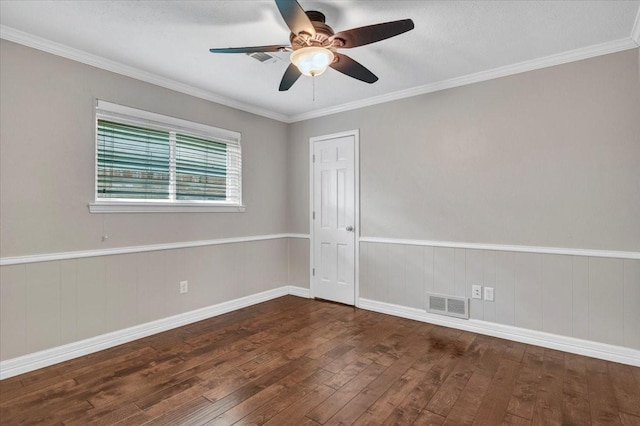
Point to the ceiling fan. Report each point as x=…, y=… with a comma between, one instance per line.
x=314, y=44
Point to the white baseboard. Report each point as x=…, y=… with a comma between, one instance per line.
x=24, y=364
x=299, y=291
x=553, y=341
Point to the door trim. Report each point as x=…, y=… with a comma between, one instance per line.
x=356, y=172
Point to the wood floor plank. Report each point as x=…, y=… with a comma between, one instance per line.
x=294, y=361
x=364, y=342
x=636, y=375
x=548, y=407
x=575, y=408
x=575, y=404
x=147, y=379
x=294, y=391
x=602, y=400
x=335, y=402
x=511, y=420
x=356, y=406
x=180, y=415
x=100, y=369
x=247, y=406
x=105, y=415
x=514, y=351
x=629, y=419
x=412, y=405
x=426, y=417
x=448, y=392
x=468, y=402
x=523, y=398
x=496, y=398
x=575, y=378
x=383, y=406
x=466, y=406
x=10, y=385
x=34, y=407
x=625, y=388
x=295, y=414
x=210, y=412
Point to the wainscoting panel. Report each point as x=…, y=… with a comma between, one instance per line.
x=68, y=302
x=557, y=274
x=299, y=262
x=92, y=294
x=42, y=326
x=631, y=308
x=44, y=305
x=444, y=270
x=528, y=291
x=505, y=287
x=152, y=298
x=606, y=300
x=13, y=311
x=586, y=297
x=414, y=275
x=474, y=275
x=580, y=297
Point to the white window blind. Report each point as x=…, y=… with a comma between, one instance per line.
x=133, y=162
x=146, y=159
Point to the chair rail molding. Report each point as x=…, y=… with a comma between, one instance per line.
x=504, y=247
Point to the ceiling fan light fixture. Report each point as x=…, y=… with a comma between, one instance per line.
x=312, y=61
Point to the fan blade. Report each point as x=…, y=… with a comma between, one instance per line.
x=354, y=69
x=273, y=48
x=295, y=18
x=370, y=34
x=290, y=76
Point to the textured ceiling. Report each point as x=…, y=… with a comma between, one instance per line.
x=452, y=39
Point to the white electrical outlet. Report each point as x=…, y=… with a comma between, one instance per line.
x=476, y=292
x=488, y=294
x=184, y=287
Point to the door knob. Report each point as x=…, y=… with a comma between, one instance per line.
x=349, y=228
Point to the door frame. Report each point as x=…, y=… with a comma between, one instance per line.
x=356, y=174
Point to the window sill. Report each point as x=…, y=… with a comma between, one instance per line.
x=151, y=207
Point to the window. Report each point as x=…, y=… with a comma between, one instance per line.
x=149, y=162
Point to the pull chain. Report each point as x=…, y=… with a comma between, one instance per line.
x=313, y=83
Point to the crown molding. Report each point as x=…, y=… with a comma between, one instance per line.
x=29, y=40
x=58, y=49
x=547, y=61
x=635, y=32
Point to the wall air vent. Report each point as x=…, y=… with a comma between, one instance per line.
x=263, y=57
x=448, y=305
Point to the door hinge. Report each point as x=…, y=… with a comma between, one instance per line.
x=313, y=272
x=314, y=158
x=314, y=216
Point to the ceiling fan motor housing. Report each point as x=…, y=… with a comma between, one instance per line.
x=322, y=37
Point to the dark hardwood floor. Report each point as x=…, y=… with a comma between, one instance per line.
x=294, y=361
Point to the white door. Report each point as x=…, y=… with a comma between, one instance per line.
x=334, y=218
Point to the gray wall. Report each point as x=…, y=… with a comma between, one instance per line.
x=48, y=151
x=548, y=158
x=47, y=179
x=544, y=158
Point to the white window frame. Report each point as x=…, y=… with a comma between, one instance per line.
x=127, y=115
